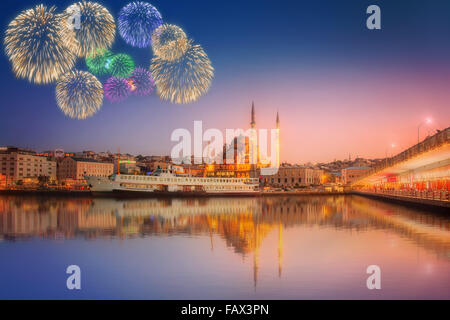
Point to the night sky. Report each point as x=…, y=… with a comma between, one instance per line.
x=340, y=88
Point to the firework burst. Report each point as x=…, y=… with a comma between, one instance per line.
x=79, y=94
x=169, y=42
x=183, y=80
x=96, y=29
x=141, y=82
x=137, y=21
x=97, y=62
x=33, y=45
x=121, y=65
x=117, y=89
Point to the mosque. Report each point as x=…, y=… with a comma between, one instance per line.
x=241, y=147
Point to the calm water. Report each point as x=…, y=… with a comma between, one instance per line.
x=224, y=248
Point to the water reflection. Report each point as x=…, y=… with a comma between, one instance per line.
x=268, y=247
x=242, y=222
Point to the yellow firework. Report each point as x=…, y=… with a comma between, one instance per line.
x=79, y=94
x=169, y=42
x=33, y=45
x=183, y=80
x=88, y=27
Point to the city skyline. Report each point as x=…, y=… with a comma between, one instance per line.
x=340, y=89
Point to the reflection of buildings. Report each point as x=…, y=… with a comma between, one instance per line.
x=243, y=223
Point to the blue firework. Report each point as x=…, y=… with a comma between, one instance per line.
x=137, y=21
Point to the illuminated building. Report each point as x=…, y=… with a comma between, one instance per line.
x=352, y=174
x=240, y=150
x=77, y=168
x=294, y=176
x=18, y=164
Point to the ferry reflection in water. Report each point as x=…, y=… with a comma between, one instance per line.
x=268, y=247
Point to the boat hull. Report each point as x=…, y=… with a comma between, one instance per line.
x=157, y=194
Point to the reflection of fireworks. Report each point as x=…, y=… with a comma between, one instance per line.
x=117, y=89
x=34, y=46
x=183, y=80
x=79, y=94
x=121, y=65
x=137, y=21
x=97, y=61
x=141, y=81
x=169, y=42
x=96, y=30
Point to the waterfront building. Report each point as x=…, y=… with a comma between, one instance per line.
x=17, y=164
x=351, y=174
x=77, y=168
x=294, y=177
x=240, y=149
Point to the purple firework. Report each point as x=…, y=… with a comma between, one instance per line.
x=116, y=89
x=137, y=21
x=141, y=81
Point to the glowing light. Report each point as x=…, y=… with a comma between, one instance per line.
x=96, y=30
x=183, y=80
x=428, y=120
x=132, y=86
x=79, y=94
x=142, y=81
x=117, y=89
x=169, y=42
x=121, y=65
x=34, y=46
x=137, y=21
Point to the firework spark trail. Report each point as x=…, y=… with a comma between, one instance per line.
x=137, y=21
x=142, y=82
x=96, y=31
x=34, y=47
x=79, y=94
x=183, y=80
x=117, y=89
x=169, y=42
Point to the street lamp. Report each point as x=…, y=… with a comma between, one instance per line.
x=426, y=121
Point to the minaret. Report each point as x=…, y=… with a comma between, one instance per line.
x=278, y=139
x=278, y=121
x=253, y=147
x=253, y=123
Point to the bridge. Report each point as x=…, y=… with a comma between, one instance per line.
x=420, y=174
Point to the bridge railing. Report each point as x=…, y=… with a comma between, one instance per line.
x=430, y=143
x=438, y=195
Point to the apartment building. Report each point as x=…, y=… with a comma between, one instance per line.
x=77, y=168
x=17, y=164
x=351, y=174
x=294, y=176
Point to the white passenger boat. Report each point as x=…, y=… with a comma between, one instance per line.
x=166, y=182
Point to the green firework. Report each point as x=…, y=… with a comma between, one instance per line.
x=97, y=62
x=121, y=65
